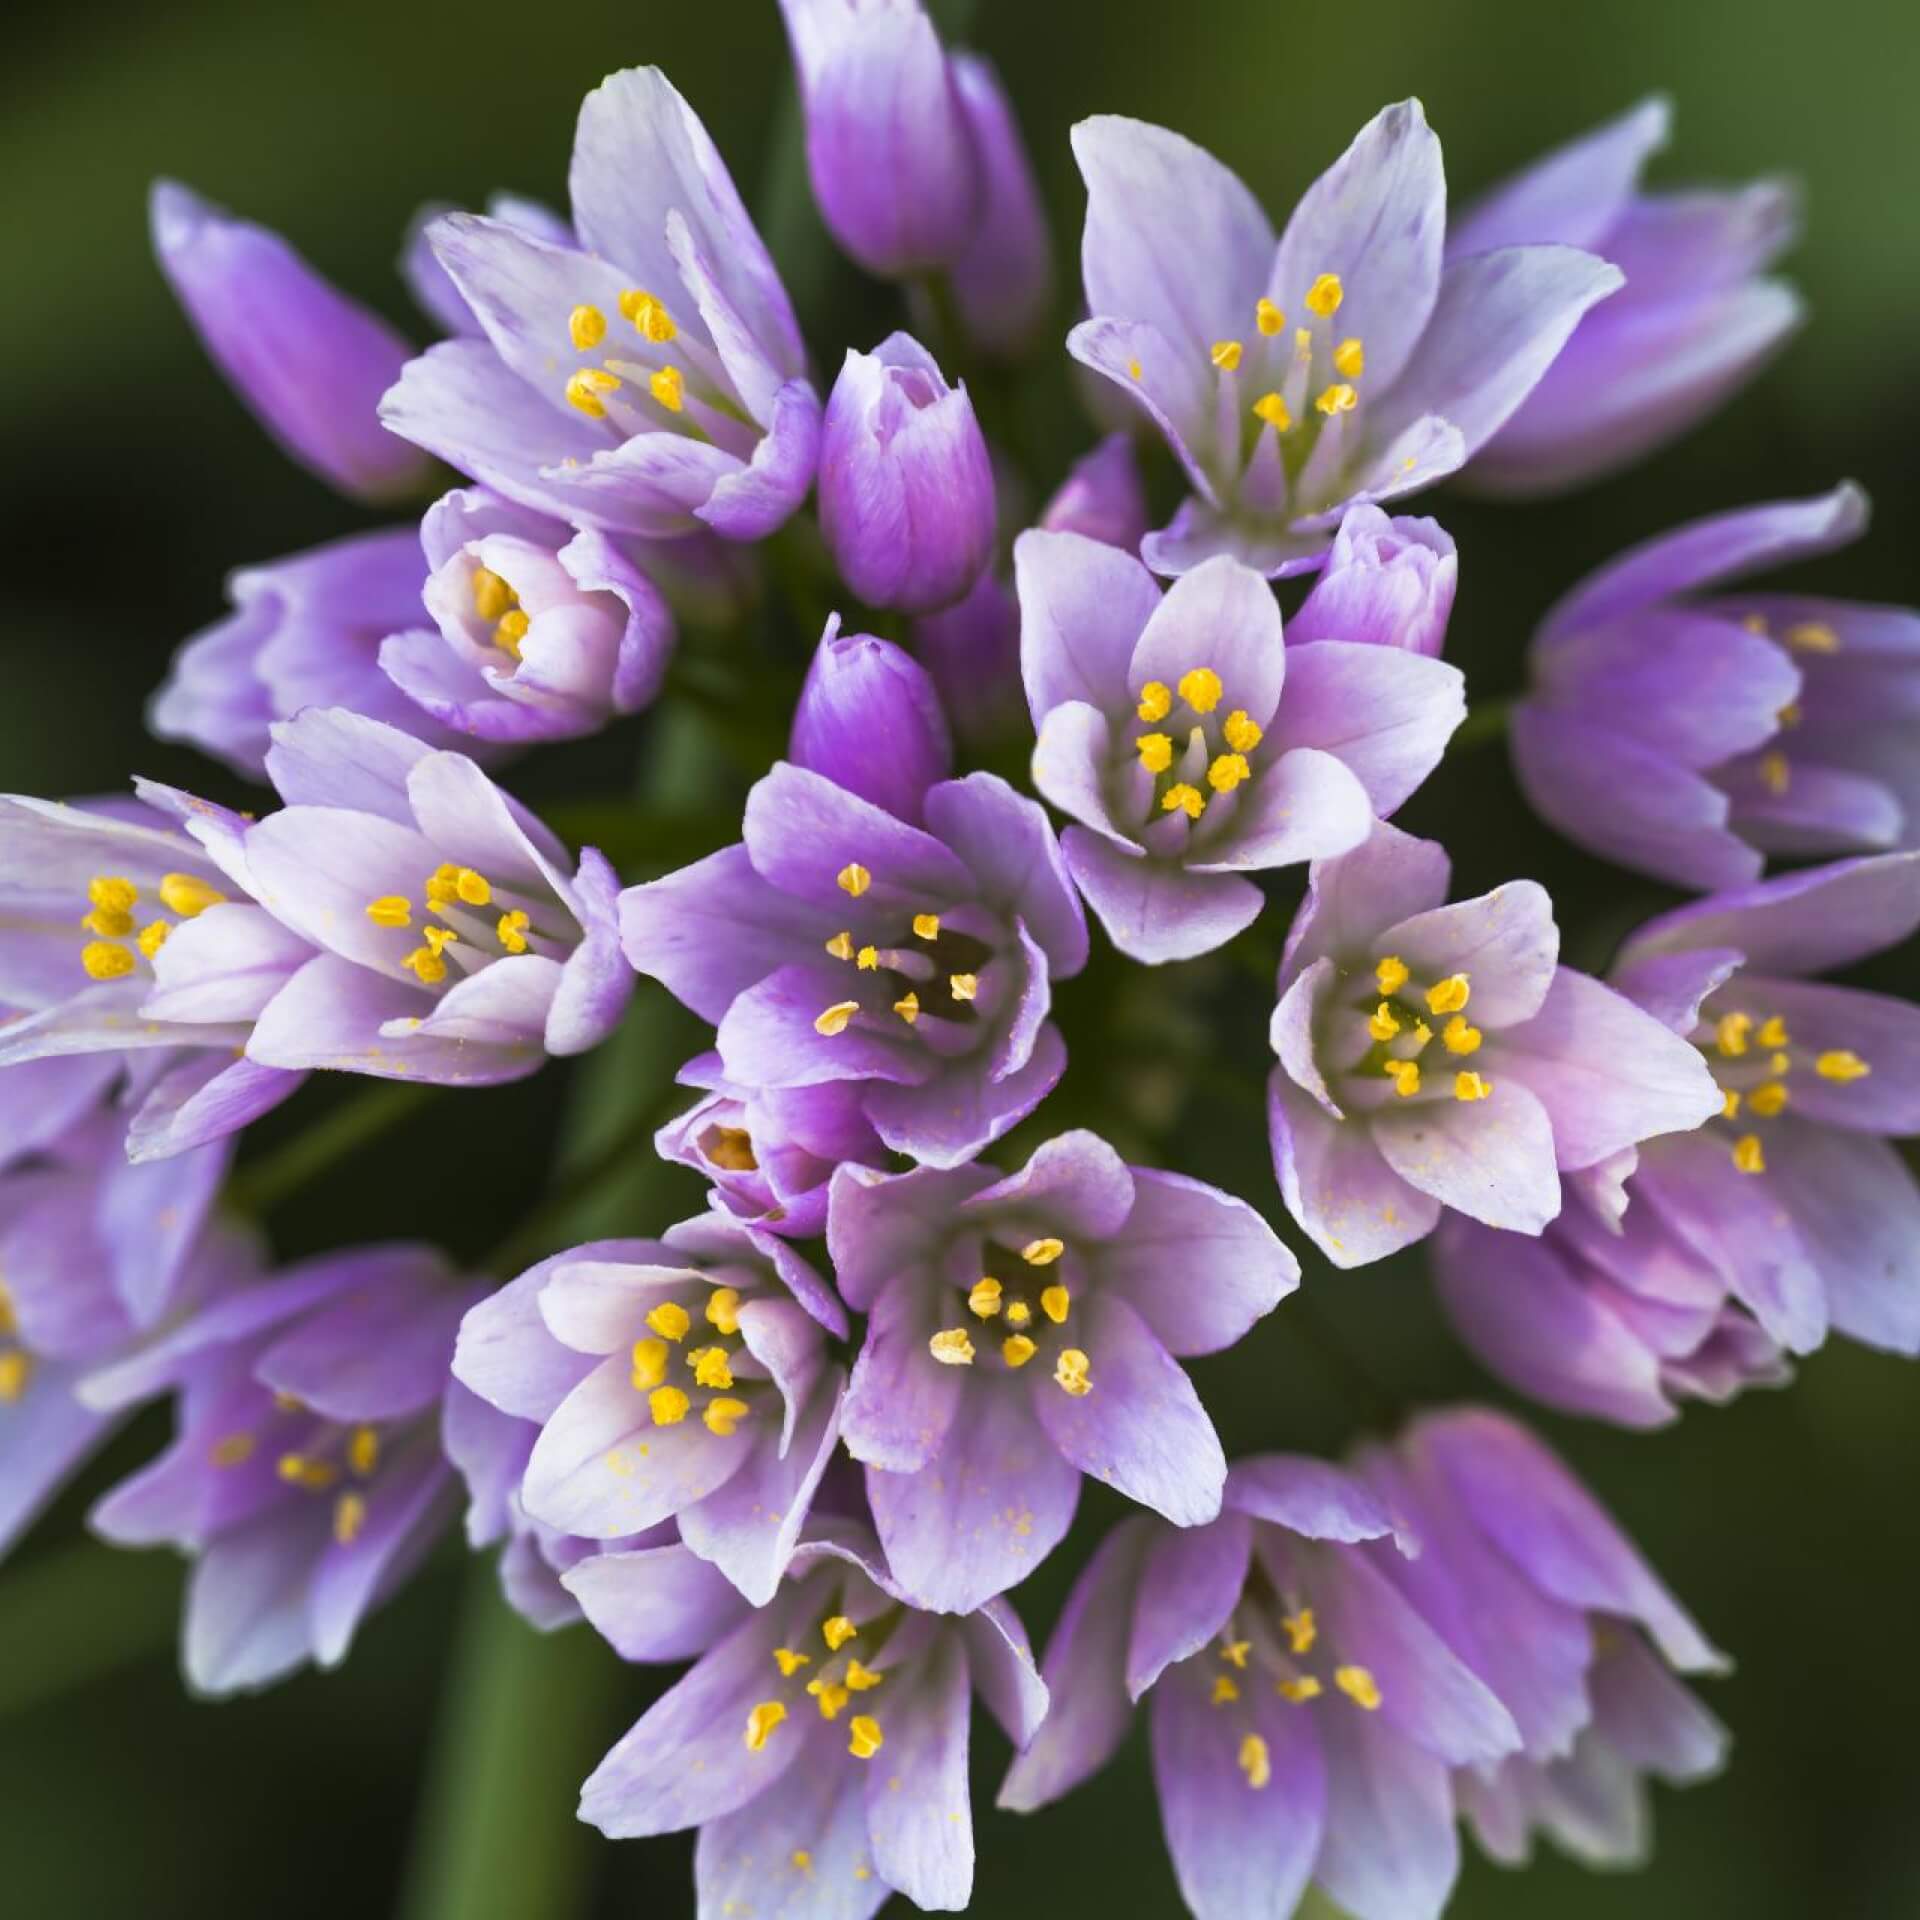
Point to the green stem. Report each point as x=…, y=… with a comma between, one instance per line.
x=75, y=1616
x=355, y=1123
x=525, y=1718
x=1486, y=722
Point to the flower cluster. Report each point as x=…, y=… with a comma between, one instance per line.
x=811, y=1438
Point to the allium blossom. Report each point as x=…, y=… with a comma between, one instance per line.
x=649, y=380
x=1193, y=747
x=1343, y=363
x=1790, y=1212
x=306, y=1480
x=1689, y=735
x=1024, y=1329
x=685, y=1378
x=1436, y=1055
x=1693, y=322
x=543, y=633
x=1387, y=581
x=820, y=1744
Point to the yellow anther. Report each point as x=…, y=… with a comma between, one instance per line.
x=439, y=939
x=952, y=1348
x=1181, y=798
x=984, y=1298
x=668, y=1405
x=111, y=894
x=837, y=1631
x=1018, y=1313
x=1054, y=1303
x=510, y=629
x=1299, y=1691
x=830, y=1696
x=1226, y=1690
x=1813, y=636
x=1338, y=398
x=105, y=961
x=1790, y=715
x=1227, y=771
x=1254, y=1761
x=1470, y=1086
x=670, y=1320
x=1156, y=701
x=1242, y=734
x=868, y=959
x=790, y=1662
x=1451, y=994
x=1775, y=775
x=649, y=1364
x=426, y=966
x=841, y=945
x=1358, y=1685
x=1072, y=1371
x=710, y=1368
x=511, y=930
x=1350, y=359
x=1773, y=1032
x=1043, y=1252
x=647, y=315
x=1780, y=1063
x=1754, y=622
x=963, y=986
x=363, y=1450
x=349, y=1516
x=853, y=878
x=802, y=1859
x=1156, y=751
x=1016, y=1349
x=1731, y=1033
x=491, y=594
x=669, y=389
x=1267, y=317
x=1301, y=1630
x=585, y=387
x=1457, y=1037
x=1325, y=295
x=439, y=887
x=472, y=887
x=1422, y=1033
x=1748, y=1155
x=1381, y=1024
x=731, y=1148
x=110, y=923
x=1272, y=409
x=722, y=1416
x=761, y=1723
x=1841, y=1063
x=1405, y=1075
x=231, y=1450
x=153, y=936
x=834, y=1020
x=1135, y=371
x=1201, y=689
x=723, y=1303
x=1391, y=974
x=926, y=926
x=16, y=1369
x=1225, y=355
x=862, y=1679
x=390, y=910
x=864, y=1738
x=908, y=1007
x=586, y=327
x=1234, y=1652
x=1768, y=1099
x=298, y=1470
x=1730, y=1103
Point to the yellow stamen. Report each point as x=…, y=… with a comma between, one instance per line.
x=853, y=878
x=349, y=1516
x=1299, y=1691
x=585, y=387
x=1773, y=1032
x=1381, y=1024
x=837, y=1631
x=1350, y=359
x=1227, y=771
x=1016, y=1349
x=111, y=894
x=511, y=930
x=830, y=1696
x=834, y=1020
x=473, y=888
x=1841, y=1063
x=722, y=1416
x=1201, y=689
x=963, y=986
x=1450, y=995
x=723, y=1303
x=1018, y=1313
x=1234, y=1652
x=761, y=1723
x=1730, y=1104
x=1301, y=1630
x=1405, y=1075
x=670, y=1320
x=841, y=945
x=390, y=910
x=1134, y=370
x=1790, y=715
x=669, y=389
x=1470, y=1086
x=1267, y=317
x=299, y=1471
x=16, y=1369
x=1358, y=1685
x=1768, y=1099
x=1242, y=734
x=439, y=939
x=649, y=1364
x=668, y=1405
x=1226, y=355
x=510, y=630
x=1156, y=702
x=1156, y=751
x=105, y=961
x=439, y=885
x=181, y=893
x=647, y=315
x=426, y=966
x=1457, y=1037
x=1054, y=1303
x=868, y=959
x=1813, y=636
x=1254, y=1762
x=1271, y=409
x=953, y=1348
x=1391, y=974
x=908, y=1008
x=984, y=1299
x=1775, y=775
x=710, y=1368
x=231, y=1450
x=1181, y=798
x=926, y=926
x=1325, y=295
x=1043, y=1253
x=1731, y=1032
x=790, y=1662
x=1748, y=1155
x=731, y=1148
x=862, y=1679
x=109, y=922
x=153, y=936
x=864, y=1738
x=491, y=594
x=1072, y=1371
x=1226, y=1690
x=1338, y=398
x=586, y=327
x=363, y=1450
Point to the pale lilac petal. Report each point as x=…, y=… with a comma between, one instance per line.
x=1491, y=1159
x=1074, y=1185
x=879, y=1225
x=1083, y=606
x=1221, y=615
x=1189, y=1586
x=752, y=501
x=656, y=1603
x=1306, y=805
x=1504, y=941
x=869, y=719
x=902, y=1402
x=918, y=1813
x=1154, y=910
x=1390, y=1851
x=950, y=1118
x=1310, y=1497
x=1388, y=878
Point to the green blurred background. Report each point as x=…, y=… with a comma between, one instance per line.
x=434, y=1775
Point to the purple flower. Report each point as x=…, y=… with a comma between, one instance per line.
x=1689, y=737
x=1789, y=1213
x=650, y=380
x=869, y=717
x=1694, y=321
x=544, y=633
x=307, y=1479
x=838, y=943
x=1389, y=582
x=1345, y=1660
x=820, y=1744
x=1437, y=1056
x=1194, y=748
x=906, y=488
x=305, y=631
x=308, y=361
x=1025, y=1329
x=1343, y=364
x=1102, y=497
x=433, y=292
x=685, y=1378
